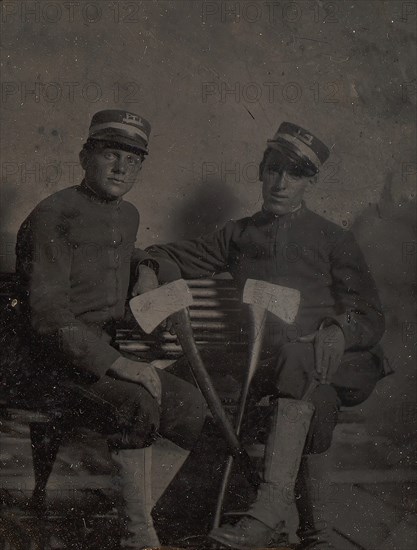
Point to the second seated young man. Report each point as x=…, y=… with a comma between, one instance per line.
x=76, y=260
x=339, y=324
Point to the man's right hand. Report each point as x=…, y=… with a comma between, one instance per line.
x=137, y=372
x=147, y=280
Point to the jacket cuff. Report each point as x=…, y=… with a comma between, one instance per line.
x=149, y=262
x=120, y=362
x=111, y=356
x=168, y=271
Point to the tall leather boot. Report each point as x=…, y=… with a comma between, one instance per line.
x=313, y=495
x=134, y=476
x=283, y=452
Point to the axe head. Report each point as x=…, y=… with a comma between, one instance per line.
x=153, y=307
x=282, y=301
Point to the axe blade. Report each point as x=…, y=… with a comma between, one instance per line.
x=281, y=301
x=153, y=307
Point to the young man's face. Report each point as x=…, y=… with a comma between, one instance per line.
x=282, y=188
x=110, y=172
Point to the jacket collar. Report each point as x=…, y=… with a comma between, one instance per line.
x=90, y=194
x=264, y=216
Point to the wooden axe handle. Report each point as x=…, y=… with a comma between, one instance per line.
x=184, y=331
x=256, y=337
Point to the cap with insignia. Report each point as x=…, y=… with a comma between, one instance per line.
x=299, y=147
x=121, y=128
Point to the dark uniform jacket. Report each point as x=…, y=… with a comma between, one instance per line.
x=301, y=250
x=75, y=255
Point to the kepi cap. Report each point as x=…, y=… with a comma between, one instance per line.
x=121, y=127
x=299, y=146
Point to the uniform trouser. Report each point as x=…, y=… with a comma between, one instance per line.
x=291, y=371
x=126, y=412
x=137, y=419
x=288, y=373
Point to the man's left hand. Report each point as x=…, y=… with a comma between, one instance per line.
x=329, y=346
x=147, y=280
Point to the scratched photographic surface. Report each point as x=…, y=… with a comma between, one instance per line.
x=265, y=140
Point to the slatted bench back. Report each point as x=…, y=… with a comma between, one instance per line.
x=216, y=318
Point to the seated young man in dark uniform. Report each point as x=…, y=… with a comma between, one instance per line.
x=333, y=340
x=76, y=260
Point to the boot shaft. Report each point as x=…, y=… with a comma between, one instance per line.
x=283, y=451
x=134, y=480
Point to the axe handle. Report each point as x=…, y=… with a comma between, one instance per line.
x=257, y=318
x=184, y=331
x=220, y=499
x=256, y=337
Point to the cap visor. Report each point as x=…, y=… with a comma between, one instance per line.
x=286, y=155
x=125, y=141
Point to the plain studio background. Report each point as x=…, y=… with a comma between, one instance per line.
x=215, y=79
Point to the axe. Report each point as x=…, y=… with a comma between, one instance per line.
x=261, y=296
x=171, y=300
